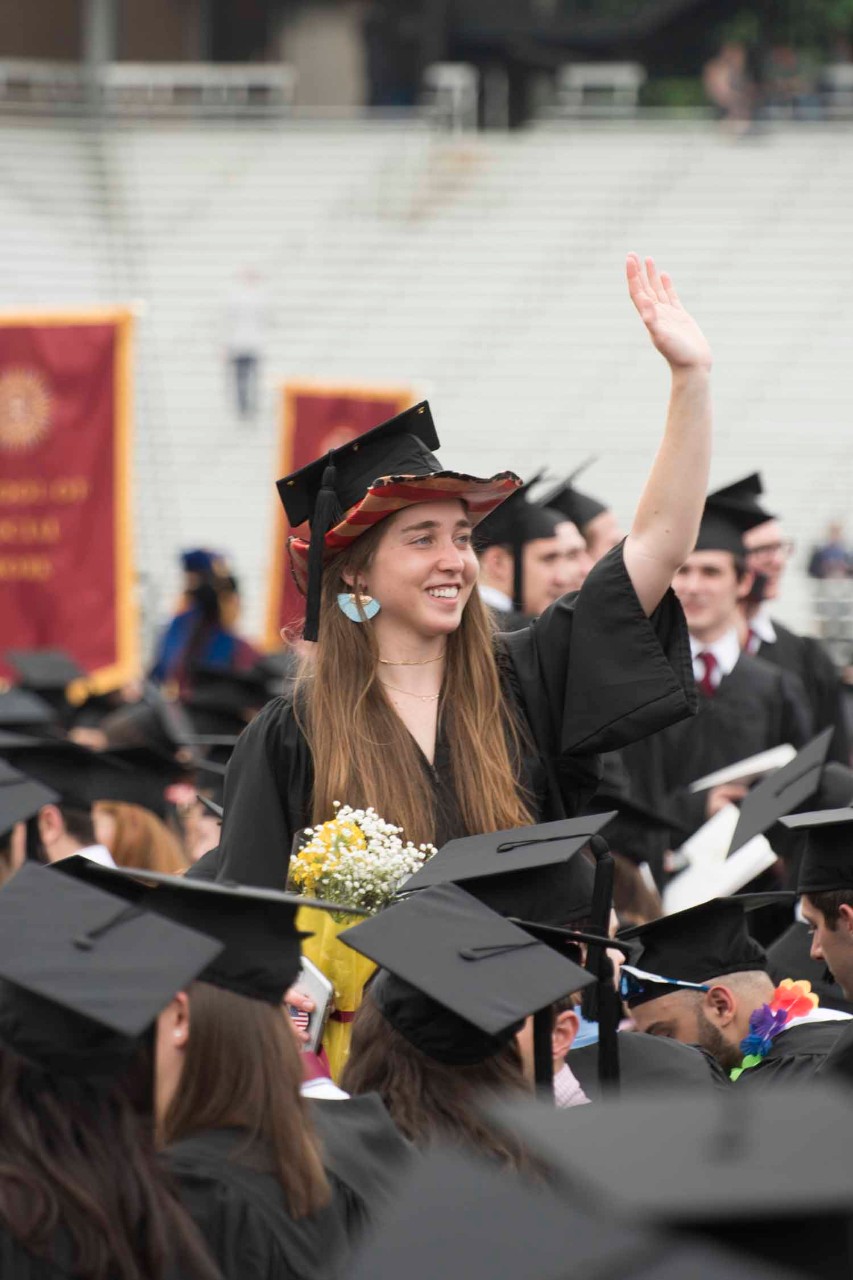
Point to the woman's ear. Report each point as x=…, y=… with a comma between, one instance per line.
x=179, y=1021
x=348, y=576
x=565, y=1030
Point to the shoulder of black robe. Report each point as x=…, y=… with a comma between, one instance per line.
x=511, y=620
x=595, y=673
x=18, y=1263
x=838, y=1063
x=796, y=1055
x=267, y=798
x=789, y=956
x=238, y=1206
x=648, y=1064
x=808, y=658
x=364, y=1149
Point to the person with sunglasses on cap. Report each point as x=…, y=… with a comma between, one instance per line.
x=410, y=704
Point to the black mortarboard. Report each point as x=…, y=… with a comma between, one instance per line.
x=20, y=797
x=536, y=873
x=703, y=942
x=782, y=791
x=515, y=523
x=82, y=972
x=458, y=979
x=222, y=702
x=44, y=670
x=573, y=505
x=458, y=1217
x=256, y=928
x=737, y=1167
x=142, y=776
x=725, y=520
x=79, y=776
x=153, y=721
x=828, y=858
x=352, y=488
x=745, y=493
x=21, y=709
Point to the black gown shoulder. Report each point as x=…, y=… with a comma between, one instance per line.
x=238, y=1205
x=797, y=1054
x=649, y=1064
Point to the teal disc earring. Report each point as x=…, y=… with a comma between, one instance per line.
x=349, y=601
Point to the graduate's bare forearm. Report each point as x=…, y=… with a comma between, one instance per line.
x=667, y=521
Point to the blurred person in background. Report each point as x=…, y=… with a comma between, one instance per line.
x=137, y=838
x=768, y=554
x=526, y=562
x=593, y=519
x=204, y=633
x=730, y=87
x=832, y=558
x=248, y=316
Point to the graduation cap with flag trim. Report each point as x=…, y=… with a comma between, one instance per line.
x=352, y=488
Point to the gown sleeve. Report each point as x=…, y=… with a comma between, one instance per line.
x=596, y=673
x=267, y=799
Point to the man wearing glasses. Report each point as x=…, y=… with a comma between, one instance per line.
x=767, y=556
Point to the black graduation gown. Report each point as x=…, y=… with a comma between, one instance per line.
x=238, y=1205
x=16, y=1263
x=755, y=707
x=789, y=957
x=365, y=1152
x=648, y=1064
x=807, y=658
x=795, y=1056
x=591, y=674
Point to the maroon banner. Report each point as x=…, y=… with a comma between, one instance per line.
x=65, y=550
x=314, y=419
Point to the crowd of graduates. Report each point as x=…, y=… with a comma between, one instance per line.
x=609, y=1027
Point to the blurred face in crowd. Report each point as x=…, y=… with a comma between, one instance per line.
x=423, y=571
x=709, y=588
x=550, y=568
x=602, y=533
x=577, y=557
x=833, y=944
x=768, y=553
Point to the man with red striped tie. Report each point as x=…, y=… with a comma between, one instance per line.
x=746, y=705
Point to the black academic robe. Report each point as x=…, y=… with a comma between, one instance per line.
x=789, y=956
x=649, y=1064
x=366, y=1153
x=806, y=657
x=238, y=1205
x=796, y=1055
x=591, y=674
x=17, y=1263
x=755, y=707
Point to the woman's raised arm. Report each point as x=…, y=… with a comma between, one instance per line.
x=667, y=520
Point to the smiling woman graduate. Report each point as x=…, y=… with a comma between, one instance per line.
x=410, y=703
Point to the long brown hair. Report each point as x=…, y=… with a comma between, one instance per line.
x=362, y=752
x=77, y=1164
x=141, y=839
x=428, y=1100
x=242, y=1070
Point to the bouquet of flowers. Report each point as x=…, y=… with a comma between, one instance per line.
x=360, y=861
x=356, y=859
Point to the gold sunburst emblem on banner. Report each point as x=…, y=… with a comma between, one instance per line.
x=24, y=408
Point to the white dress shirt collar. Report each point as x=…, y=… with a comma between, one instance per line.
x=494, y=598
x=762, y=624
x=726, y=650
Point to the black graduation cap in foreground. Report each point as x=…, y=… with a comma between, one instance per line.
x=739, y=1168
x=828, y=859
x=20, y=797
x=537, y=873
x=706, y=941
x=256, y=928
x=78, y=776
x=782, y=791
x=457, y=1217
x=23, y=710
x=458, y=979
x=44, y=670
x=82, y=972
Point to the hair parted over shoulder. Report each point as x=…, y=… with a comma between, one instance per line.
x=77, y=1168
x=428, y=1100
x=243, y=1071
x=362, y=752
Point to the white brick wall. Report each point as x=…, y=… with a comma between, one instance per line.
x=486, y=272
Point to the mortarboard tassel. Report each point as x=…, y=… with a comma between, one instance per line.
x=607, y=999
x=325, y=516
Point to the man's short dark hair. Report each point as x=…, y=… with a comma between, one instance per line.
x=79, y=823
x=830, y=902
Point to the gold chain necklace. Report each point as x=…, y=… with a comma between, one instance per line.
x=386, y=662
x=430, y=697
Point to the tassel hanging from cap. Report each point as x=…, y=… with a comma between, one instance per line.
x=607, y=1006
x=326, y=515
x=518, y=576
